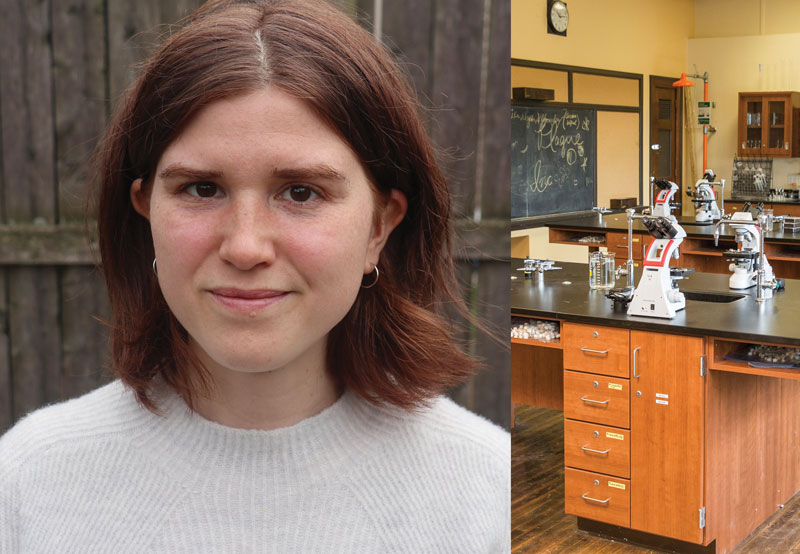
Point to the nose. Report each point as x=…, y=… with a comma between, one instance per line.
x=248, y=238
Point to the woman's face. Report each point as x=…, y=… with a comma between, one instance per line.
x=263, y=223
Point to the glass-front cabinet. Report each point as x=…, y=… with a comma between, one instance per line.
x=769, y=124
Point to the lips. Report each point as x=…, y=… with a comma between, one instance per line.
x=247, y=301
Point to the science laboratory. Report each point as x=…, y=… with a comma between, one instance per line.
x=655, y=280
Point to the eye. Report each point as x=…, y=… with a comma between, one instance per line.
x=300, y=194
x=203, y=190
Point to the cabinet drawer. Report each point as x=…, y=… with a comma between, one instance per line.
x=596, y=398
x=618, y=244
x=597, y=448
x=598, y=497
x=596, y=349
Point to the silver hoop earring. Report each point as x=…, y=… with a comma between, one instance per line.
x=155, y=270
x=374, y=281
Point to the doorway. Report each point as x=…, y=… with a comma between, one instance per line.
x=666, y=114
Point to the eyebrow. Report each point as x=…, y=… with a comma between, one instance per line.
x=323, y=171
x=179, y=170
x=316, y=171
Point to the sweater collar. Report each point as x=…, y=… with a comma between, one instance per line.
x=184, y=442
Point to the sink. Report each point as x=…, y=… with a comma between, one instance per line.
x=712, y=296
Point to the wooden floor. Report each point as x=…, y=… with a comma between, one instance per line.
x=539, y=524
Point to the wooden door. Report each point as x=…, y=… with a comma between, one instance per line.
x=667, y=435
x=666, y=107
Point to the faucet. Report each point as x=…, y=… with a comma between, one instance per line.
x=760, y=285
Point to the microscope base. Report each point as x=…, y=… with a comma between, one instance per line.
x=655, y=297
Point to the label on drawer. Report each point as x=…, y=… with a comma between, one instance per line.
x=664, y=402
x=615, y=386
x=615, y=485
x=617, y=436
x=661, y=395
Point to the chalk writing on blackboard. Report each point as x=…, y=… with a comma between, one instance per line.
x=552, y=160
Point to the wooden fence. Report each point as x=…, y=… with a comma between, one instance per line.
x=64, y=62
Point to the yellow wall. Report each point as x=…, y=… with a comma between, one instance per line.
x=736, y=18
x=648, y=38
x=744, y=64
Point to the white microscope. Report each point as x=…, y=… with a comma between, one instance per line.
x=657, y=294
x=705, y=198
x=662, y=205
x=750, y=256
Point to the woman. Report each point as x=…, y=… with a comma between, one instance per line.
x=274, y=234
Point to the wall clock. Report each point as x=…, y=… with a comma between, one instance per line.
x=557, y=17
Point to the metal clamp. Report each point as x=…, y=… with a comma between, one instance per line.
x=635, y=350
x=590, y=499
x=594, y=351
x=594, y=401
x=596, y=451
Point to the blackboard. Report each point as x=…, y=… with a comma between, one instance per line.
x=553, y=164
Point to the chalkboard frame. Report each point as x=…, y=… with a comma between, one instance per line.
x=541, y=220
x=569, y=71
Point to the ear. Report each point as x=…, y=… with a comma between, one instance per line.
x=390, y=217
x=140, y=199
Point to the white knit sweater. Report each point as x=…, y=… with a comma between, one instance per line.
x=102, y=474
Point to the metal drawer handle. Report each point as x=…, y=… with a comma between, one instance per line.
x=593, y=351
x=594, y=401
x=622, y=246
x=635, y=350
x=590, y=499
x=596, y=451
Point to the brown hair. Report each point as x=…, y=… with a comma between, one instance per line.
x=393, y=346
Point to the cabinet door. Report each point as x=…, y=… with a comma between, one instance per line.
x=666, y=421
x=776, y=121
x=750, y=125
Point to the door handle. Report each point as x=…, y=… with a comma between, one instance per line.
x=594, y=351
x=595, y=451
x=635, y=350
x=594, y=401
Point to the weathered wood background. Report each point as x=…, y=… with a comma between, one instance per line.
x=62, y=65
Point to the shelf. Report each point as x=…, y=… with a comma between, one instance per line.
x=569, y=236
x=702, y=252
x=718, y=348
x=530, y=342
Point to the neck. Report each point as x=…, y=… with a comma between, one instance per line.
x=269, y=399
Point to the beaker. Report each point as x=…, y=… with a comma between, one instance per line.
x=601, y=270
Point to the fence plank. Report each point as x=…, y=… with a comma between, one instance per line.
x=496, y=174
x=84, y=347
x=494, y=384
x=463, y=394
x=35, y=337
x=130, y=39
x=6, y=412
x=406, y=31
x=27, y=118
x=456, y=86
x=80, y=106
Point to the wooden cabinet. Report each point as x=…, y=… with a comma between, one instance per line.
x=667, y=435
x=769, y=124
x=595, y=349
x=618, y=244
x=634, y=446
